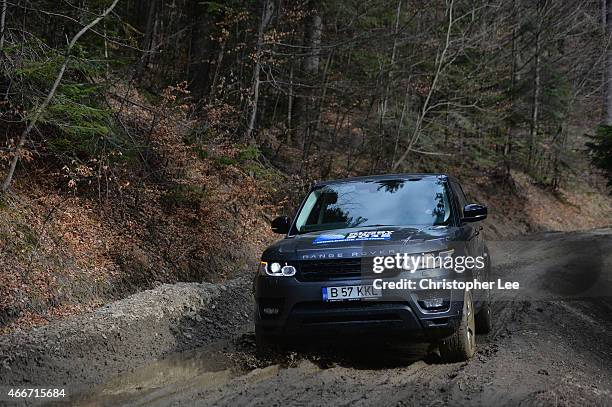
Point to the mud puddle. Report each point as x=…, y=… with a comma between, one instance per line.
x=205, y=368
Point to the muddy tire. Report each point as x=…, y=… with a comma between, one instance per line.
x=483, y=320
x=462, y=344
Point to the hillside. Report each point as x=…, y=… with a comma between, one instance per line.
x=196, y=213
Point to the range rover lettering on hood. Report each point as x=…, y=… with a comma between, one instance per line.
x=354, y=237
x=351, y=253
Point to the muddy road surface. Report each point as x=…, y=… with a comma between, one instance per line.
x=551, y=346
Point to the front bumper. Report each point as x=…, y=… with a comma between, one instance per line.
x=300, y=310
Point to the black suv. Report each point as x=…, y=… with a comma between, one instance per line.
x=326, y=276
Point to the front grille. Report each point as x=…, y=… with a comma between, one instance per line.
x=338, y=269
x=358, y=311
x=327, y=319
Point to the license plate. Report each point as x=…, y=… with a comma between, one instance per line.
x=350, y=292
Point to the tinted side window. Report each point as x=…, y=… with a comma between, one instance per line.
x=461, y=200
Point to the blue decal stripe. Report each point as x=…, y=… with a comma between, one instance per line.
x=352, y=237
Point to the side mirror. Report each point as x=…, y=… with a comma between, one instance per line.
x=474, y=213
x=281, y=225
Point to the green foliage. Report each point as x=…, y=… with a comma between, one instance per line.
x=269, y=175
x=191, y=196
x=224, y=160
x=151, y=97
x=201, y=152
x=28, y=235
x=557, y=93
x=245, y=155
x=601, y=150
x=77, y=123
x=41, y=72
x=214, y=6
x=75, y=110
x=200, y=135
x=18, y=237
x=248, y=153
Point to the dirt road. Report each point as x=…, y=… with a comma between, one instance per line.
x=551, y=345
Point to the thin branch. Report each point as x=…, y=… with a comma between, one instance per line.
x=440, y=64
x=2, y=23
x=40, y=109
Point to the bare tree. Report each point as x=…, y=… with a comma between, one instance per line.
x=2, y=23
x=607, y=99
x=303, y=109
x=312, y=38
x=537, y=80
x=266, y=16
x=441, y=62
x=513, y=79
x=148, y=45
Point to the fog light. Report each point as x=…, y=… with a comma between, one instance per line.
x=433, y=300
x=271, y=311
x=432, y=303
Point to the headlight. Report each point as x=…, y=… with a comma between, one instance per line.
x=276, y=269
x=273, y=268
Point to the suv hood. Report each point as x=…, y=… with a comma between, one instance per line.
x=362, y=242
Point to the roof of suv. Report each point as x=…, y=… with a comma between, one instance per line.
x=384, y=177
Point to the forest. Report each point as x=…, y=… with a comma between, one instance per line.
x=141, y=138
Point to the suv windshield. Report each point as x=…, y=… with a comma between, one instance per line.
x=421, y=202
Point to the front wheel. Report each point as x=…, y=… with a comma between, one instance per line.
x=461, y=346
x=483, y=319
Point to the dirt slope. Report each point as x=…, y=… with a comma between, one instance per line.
x=550, y=346
x=78, y=352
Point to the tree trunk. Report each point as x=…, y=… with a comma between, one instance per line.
x=218, y=63
x=387, y=79
x=266, y=16
x=314, y=131
x=535, y=111
x=290, y=106
x=440, y=63
x=558, y=143
x=147, y=44
x=2, y=23
x=302, y=111
x=312, y=38
x=607, y=110
x=400, y=123
x=201, y=45
x=509, y=130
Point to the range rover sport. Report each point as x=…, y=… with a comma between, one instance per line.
x=320, y=279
